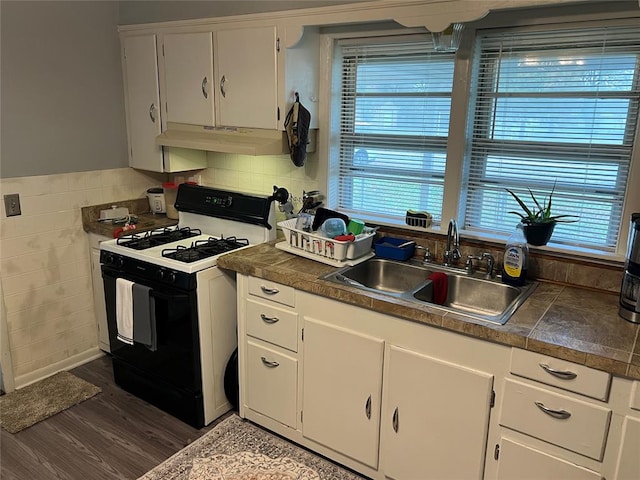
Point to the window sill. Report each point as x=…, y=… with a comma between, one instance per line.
x=552, y=250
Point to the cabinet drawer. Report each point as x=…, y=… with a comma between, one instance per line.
x=562, y=374
x=272, y=291
x=583, y=430
x=520, y=462
x=272, y=324
x=271, y=386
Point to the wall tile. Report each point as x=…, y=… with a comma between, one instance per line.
x=45, y=261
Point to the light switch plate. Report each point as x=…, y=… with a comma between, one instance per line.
x=12, y=204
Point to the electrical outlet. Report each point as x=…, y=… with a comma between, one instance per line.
x=12, y=204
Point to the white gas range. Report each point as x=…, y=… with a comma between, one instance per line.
x=183, y=308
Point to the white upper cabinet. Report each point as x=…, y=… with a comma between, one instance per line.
x=142, y=101
x=246, y=77
x=188, y=73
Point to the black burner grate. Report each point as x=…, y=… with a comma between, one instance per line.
x=154, y=238
x=202, y=249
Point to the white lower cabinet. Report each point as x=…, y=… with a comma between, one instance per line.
x=388, y=398
x=576, y=425
x=271, y=383
x=521, y=462
x=628, y=462
x=436, y=418
x=399, y=400
x=342, y=385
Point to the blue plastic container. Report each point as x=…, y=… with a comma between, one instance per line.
x=394, y=248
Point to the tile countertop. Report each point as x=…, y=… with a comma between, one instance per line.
x=139, y=207
x=571, y=323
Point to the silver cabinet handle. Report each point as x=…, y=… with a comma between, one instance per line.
x=205, y=93
x=561, y=414
x=222, y=82
x=269, y=363
x=367, y=408
x=269, y=291
x=395, y=421
x=152, y=112
x=266, y=319
x=563, y=374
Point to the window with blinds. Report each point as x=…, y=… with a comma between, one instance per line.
x=553, y=108
x=394, y=122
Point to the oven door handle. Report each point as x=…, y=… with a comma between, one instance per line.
x=162, y=296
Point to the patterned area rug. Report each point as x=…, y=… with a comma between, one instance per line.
x=32, y=404
x=239, y=450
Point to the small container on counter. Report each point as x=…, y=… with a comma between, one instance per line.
x=394, y=248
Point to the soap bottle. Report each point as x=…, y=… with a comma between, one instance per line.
x=516, y=258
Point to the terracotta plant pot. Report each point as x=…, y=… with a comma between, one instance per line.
x=538, y=234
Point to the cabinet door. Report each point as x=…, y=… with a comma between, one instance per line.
x=143, y=102
x=188, y=72
x=520, y=462
x=628, y=466
x=272, y=383
x=342, y=384
x=247, y=78
x=433, y=411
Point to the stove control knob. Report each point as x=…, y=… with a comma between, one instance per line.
x=107, y=258
x=171, y=277
x=118, y=262
x=161, y=273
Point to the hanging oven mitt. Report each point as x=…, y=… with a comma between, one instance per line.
x=297, y=126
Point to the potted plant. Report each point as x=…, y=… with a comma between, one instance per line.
x=537, y=221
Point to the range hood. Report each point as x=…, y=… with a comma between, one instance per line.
x=245, y=141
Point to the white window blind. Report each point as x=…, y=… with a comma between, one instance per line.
x=553, y=107
x=394, y=122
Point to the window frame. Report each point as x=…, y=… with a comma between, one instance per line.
x=453, y=201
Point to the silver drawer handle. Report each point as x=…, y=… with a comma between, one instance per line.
x=268, y=363
x=561, y=414
x=205, y=93
x=223, y=80
x=269, y=291
x=266, y=319
x=367, y=408
x=563, y=374
x=395, y=421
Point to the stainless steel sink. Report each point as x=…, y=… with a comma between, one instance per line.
x=472, y=295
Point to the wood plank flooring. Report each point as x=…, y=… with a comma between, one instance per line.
x=113, y=435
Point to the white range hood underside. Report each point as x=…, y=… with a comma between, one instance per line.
x=245, y=141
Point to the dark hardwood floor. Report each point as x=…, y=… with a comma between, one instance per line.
x=113, y=435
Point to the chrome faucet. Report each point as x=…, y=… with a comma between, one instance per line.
x=452, y=252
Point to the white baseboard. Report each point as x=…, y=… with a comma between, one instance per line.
x=66, y=364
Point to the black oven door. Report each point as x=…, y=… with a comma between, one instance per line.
x=169, y=377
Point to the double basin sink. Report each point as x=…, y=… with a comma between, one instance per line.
x=470, y=294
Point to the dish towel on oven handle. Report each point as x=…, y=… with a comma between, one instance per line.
x=144, y=317
x=124, y=310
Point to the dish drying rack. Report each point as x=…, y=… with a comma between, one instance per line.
x=315, y=246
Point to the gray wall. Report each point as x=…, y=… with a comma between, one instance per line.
x=142, y=11
x=61, y=87
x=62, y=106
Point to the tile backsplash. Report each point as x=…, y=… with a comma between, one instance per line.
x=45, y=268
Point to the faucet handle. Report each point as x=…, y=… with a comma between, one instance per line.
x=426, y=258
x=469, y=262
x=490, y=263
